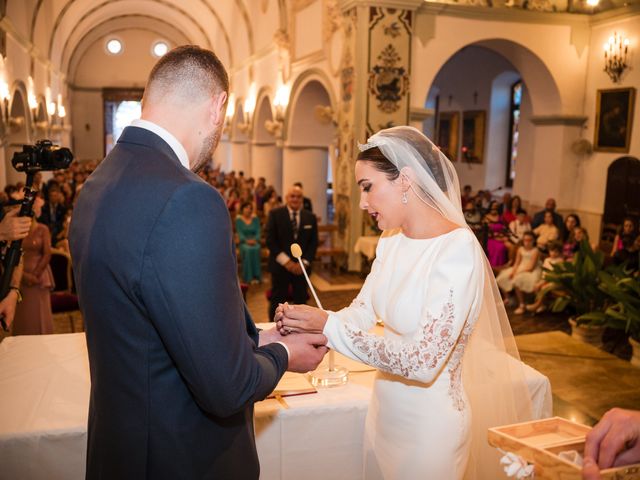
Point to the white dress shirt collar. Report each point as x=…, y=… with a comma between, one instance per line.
x=173, y=142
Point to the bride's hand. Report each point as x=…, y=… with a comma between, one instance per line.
x=300, y=318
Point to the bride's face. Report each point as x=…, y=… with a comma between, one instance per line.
x=379, y=196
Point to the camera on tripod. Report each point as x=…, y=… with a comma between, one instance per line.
x=43, y=156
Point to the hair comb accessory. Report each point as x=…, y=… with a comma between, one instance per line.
x=366, y=146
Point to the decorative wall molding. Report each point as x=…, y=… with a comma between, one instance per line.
x=554, y=120
x=411, y=5
x=36, y=55
x=418, y=114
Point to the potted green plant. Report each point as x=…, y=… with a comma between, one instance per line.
x=575, y=286
x=624, y=312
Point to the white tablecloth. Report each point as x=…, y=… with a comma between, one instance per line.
x=44, y=397
x=367, y=246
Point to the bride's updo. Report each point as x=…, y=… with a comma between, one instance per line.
x=413, y=140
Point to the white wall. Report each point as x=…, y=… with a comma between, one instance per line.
x=591, y=178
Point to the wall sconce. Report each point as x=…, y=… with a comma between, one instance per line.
x=249, y=106
x=231, y=110
x=325, y=115
x=615, y=56
x=247, y=111
x=62, y=112
x=276, y=126
x=5, y=95
x=31, y=98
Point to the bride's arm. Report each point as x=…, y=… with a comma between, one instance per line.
x=455, y=288
x=359, y=315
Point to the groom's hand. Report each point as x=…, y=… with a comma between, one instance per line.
x=306, y=351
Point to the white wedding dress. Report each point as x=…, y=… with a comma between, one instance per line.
x=428, y=293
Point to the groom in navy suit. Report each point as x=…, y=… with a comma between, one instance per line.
x=176, y=362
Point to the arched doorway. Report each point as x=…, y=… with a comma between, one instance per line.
x=623, y=184
x=18, y=132
x=472, y=96
x=311, y=139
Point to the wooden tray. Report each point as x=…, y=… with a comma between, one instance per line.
x=539, y=442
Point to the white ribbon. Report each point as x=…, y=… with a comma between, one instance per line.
x=516, y=466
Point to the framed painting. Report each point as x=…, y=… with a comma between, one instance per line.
x=447, y=128
x=614, y=119
x=473, y=128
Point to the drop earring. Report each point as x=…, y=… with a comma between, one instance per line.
x=404, y=198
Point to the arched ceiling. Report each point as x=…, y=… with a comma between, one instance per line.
x=61, y=29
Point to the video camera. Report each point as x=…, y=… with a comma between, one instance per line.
x=43, y=156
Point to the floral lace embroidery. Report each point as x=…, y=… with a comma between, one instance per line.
x=455, y=368
x=422, y=358
x=357, y=302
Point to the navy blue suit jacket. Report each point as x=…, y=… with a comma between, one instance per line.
x=175, y=367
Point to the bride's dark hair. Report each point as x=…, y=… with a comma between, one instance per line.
x=380, y=162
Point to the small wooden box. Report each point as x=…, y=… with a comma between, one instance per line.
x=539, y=442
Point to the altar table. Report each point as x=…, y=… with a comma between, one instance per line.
x=44, y=400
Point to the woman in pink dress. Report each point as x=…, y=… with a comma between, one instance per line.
x=33, y=314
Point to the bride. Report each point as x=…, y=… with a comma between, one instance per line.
x=443, y=375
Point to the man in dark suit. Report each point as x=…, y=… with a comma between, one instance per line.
x=287, y=225
x=549, y=206
x=176, y=362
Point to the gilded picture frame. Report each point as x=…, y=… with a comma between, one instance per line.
x=473, y=132
x=614, y=119
x=447, y=134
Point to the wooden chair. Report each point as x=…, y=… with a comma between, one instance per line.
x=329, y=255
x=64, y=301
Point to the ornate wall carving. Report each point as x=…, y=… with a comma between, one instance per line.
x=389, y=68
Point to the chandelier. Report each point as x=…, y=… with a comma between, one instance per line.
x=615, y=56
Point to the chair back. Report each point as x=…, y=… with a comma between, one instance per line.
x=60, y=264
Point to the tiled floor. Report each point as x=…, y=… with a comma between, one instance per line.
x=585, y=381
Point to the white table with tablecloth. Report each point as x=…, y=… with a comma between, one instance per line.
x=44, y=399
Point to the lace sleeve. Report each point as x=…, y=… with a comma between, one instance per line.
x=420, y=359
x=360, y=314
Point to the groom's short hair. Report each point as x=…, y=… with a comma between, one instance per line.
x=186, y=74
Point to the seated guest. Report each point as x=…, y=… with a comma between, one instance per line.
x=471, y=214
x=628, y=255
x=550, y=206
x=570, y=248
x=33, y=314
x=248, y=230
x=273, y=201
x=511, y=210
x=496, y=249
x=504, y=205
x=555, y=257
x=523, y=275
x=466, y=195
x=628, y=228
x=517, y=229
x=570, y=223
x=54, y=211
x=519, y=226
x=233, y=201
x=546, y=232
